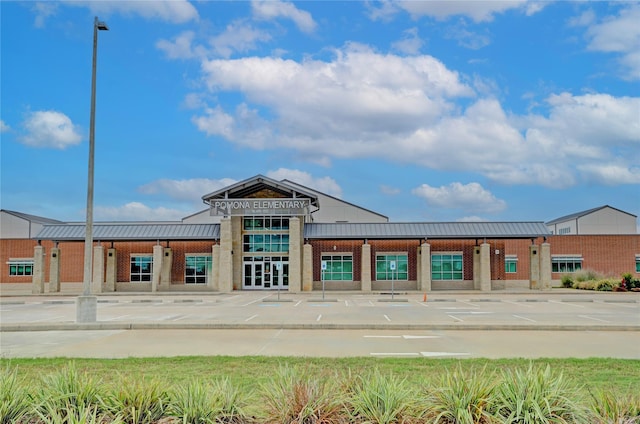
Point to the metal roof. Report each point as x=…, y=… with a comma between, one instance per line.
x=584, y=213
x=429, y=230
x=32, y=218
x=109, y=232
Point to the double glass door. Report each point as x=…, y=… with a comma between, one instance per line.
x=265, y=273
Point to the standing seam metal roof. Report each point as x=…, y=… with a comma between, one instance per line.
x=132, y=232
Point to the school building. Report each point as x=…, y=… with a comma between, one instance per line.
x=263, y=234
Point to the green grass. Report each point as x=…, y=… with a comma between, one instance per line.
x=614, y=375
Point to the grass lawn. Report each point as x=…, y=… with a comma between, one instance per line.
x=617, y=376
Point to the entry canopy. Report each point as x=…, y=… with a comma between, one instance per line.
x=260, y=187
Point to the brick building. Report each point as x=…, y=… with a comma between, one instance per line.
x=262, y=234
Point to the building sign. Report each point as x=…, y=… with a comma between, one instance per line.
x=266, y=207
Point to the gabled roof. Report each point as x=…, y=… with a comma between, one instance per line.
x=32, y=218
x=428, y=230
x=255, y=184
x=578, y=215
x=131, y=232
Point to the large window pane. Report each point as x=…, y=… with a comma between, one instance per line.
x=446, y=267
x=338, y=268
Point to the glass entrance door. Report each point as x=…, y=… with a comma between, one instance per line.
x=265, y=273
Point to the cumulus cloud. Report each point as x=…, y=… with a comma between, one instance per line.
x=4, y=127
x=273, y=9
x=51, y=129
x=411, y=43
x=616, y=34
x=173, y=11
x=470, y=197
x=238, y=36
x=325, y=185
x=479, y=11
x=181, y=47
x=189, y=190
x=136, y=211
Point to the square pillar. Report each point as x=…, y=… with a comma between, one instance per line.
x=485, y=267
x=425, y=267
x=476, y=268
x=225, y=281
x=167, y=265
x=365, y=268
x=97, y=279
x=212, y=281
x=112, y=270
x=54, y=271
x=295, y=255
x=157, y=267
x=534, y=267
x=545, y=266
x=307, y=267
x=37, y=279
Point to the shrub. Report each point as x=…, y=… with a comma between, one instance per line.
x=193, y=403
x=461, y=398
x=138, y=402
x=567, y=281
x=587, y=275
x=610, y=409
x=537, y=396
x=15, y=401
x=606, y=285
x=379, y=399
x=294, y=398
x=586, y=285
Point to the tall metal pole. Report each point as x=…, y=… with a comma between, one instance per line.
x=86, y=311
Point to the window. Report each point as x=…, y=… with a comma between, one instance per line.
x=266, y=224
x=197, y=269
x=446, y=267
x=392, y=267
x=141, y=268
x=566, y=264
x=564, y=230
x=265, y=243
x=637, y=263
x=511, y=264
x=337, y=267
x=20, y=267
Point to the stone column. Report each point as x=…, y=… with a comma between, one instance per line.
x=476, y=268
x=307, y=267
x=38, y=270
x=295, y=256
x=54, y=271
x=485, y=267
x=157, y=267
x=212, y=282
x=167, y=265
x=225, y=281
x=112, y=270
x=365, y=268
x=425, y=267
x=545, y=266
x=97, y=279
x=534, y=267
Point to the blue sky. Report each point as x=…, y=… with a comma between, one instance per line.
x=421, y=110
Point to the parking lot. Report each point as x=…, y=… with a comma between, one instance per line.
x=265, y=323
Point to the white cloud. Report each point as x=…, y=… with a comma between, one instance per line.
x=43, y=10
x=136, y=211
x=173, y=11
x=389, y=190
x=325, y=185
x=468, y=197
x=50, y=128
x=4, y=127
x=181, y=47
x=272, y=9
x=411, y=43
x=618, y=34
x=611, y=173
x=238, y=36
x=479, y=11
x=190, y=190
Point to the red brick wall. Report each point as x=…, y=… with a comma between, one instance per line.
x=353, y=247
x=12, y=248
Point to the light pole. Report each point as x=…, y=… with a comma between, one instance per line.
x=86, y=305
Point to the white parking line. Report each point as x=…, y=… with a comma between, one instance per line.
x=250, y=318
x=299, y=302
x=566, y=303
x=382, y=337
x=434, y=354
x=319, y=317
x=456, y=318
x=525, y=318
x=118, y=317
x=409, y=337
x=387, y=318
x=517, y=303
x=394, y=354
x=595, y=319
x=257, y=300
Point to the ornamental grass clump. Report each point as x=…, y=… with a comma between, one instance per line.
x=68, y=396
x=15, y=401
x=293, y=397
x=461, y=398
x=608, y=408
x=537, y=396
x=382, y=399
x=138, y=402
